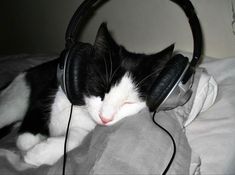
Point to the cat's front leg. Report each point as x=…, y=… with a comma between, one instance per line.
x=52, y=149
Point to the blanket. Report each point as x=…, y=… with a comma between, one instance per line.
x=133, y=146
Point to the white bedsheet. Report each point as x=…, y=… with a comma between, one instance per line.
x=212, y=134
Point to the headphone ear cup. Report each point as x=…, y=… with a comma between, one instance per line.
x=75, y=72
x=166, y=81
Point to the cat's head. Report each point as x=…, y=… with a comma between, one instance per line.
x=118, y=81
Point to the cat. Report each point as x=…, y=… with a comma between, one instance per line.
x=116, y=85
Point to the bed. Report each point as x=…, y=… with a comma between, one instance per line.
x=203, y=130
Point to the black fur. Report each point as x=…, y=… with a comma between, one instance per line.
x=42, y=81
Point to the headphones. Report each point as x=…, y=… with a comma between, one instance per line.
x=172, y=88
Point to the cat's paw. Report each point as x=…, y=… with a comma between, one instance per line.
x=43, y=153
x=27, y=140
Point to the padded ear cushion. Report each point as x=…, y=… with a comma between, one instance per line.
x=75, y=72
x=167, y=79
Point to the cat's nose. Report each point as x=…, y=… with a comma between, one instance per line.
x=104, y=119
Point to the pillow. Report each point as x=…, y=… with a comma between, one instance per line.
x=205, y=96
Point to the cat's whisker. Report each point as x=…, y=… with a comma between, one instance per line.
x=106, y=71
x=115, y=71
x=111, y=67
x=146, y=77
x=100, y=75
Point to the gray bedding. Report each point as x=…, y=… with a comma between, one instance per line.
x=135, y=145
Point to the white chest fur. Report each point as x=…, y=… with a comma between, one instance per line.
x=60, y=116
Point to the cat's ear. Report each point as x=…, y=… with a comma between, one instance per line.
x=166, y=54
x=159, y=60
x=104, y=42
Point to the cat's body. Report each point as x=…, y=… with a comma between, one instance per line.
x=116, y=85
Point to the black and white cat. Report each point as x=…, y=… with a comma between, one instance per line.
x=116, y=86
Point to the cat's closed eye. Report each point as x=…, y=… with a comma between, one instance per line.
x=128, y=103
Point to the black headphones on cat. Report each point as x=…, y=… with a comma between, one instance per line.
x=172, y=88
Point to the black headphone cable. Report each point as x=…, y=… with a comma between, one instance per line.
x=66, y=139
x=173, y=141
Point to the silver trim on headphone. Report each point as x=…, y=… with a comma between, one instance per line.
x=61, y=74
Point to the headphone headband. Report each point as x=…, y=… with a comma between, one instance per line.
x=186, y=5
x=72, y=29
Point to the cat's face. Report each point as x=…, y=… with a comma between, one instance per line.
x=120, y=101
x=118, y=81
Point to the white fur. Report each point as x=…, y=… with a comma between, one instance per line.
x=120, y=102
x=60, y=116
x=27, y=140
x=14, y=101
x=51, y=149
